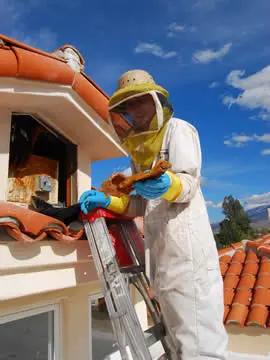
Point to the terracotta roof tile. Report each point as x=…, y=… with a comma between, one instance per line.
x=234, y=269
x=231, y=281
x=247, y=281
x=29, y=226
x=237, y=315
x=88, y=91
x=8, y=62
x=264, y=267
x=225, y=251
x=264, y=250
x=252, y=257
x=228, y=296
x=227, y=309
x=265, y=259
x=250, y=268
x=261, y=297
x=257, y=316
x=239, y=257
x=263, y=281
x=225, y=259
x=19, y=60
x=242, y=297
x=246, y=273
x=223, y=267
x=42, y=68
x=237, y=245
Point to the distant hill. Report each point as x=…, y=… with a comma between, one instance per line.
x=259, y=217
x=259, y=213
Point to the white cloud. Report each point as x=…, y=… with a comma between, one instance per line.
x=265, y=152
x=212, y=204
x=154, y=49
x=208, y=55
x=264, y=116
x=239, y=140
x=214, y=85
x=248, y=202
x=255, y=91
x=265, y=138
x=174, y=29
x=256, y=200
x=261, y=116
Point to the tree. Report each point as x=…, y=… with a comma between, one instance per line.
x=236, y=224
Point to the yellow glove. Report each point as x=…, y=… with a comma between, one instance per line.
x=118, y=204
x=175, y=189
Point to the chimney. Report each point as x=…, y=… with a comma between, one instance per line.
x=72, y=56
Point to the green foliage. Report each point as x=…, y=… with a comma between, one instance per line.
x=236, y=225
x=260, y=232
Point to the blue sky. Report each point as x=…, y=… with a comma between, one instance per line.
x=212, y=55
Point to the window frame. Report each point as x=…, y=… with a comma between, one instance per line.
x=55, y=338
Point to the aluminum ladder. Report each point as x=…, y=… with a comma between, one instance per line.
x=117, y=265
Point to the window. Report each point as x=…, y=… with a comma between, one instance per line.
x=31, y=334
x=42, y=163
x=102, y=340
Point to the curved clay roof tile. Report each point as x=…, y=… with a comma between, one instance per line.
x=252, y=257
x=264, y=250
x=23, y=61
x=237, y=315
x=231, y=281
x=261, y=297
x=247, y=281
x=239, y=256
x=223, y=268
x=242, y=297
x=227, y=309
x=263, y=281
x=264, y=268
x=88, y=91
x=225, y=259
x=250, y=268
x=38, y=67
x=234, y=269
x=265, y=259
x=228, y=296
x=257, y=316
x=8, y=62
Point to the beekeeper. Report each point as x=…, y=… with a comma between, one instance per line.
x=184, y=268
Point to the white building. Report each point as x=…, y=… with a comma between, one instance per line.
x=47, y=287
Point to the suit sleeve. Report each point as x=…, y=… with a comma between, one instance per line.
x=185, y=157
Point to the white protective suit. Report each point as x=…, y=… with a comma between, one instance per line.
x=184, y=267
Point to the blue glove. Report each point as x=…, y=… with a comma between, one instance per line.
x=153, y=188
x=92, y=199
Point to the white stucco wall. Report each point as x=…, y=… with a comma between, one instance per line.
x=83, y=172
x=249, y=340
x=75, y=336
x=5, y=122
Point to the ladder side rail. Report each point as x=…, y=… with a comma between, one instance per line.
x=119, y=303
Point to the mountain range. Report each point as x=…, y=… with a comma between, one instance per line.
x=258, y=216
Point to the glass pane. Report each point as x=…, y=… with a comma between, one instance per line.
x=27, y=338
x=103, y=341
